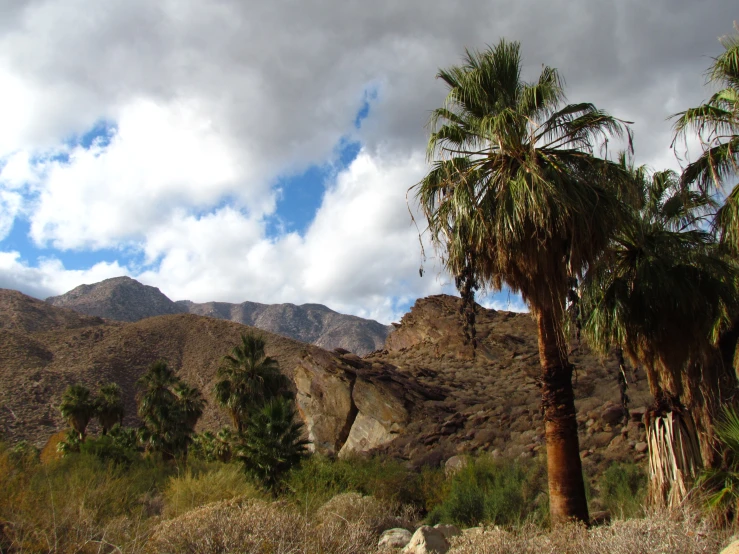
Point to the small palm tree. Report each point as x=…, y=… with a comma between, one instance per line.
x=77, y=408
x=169, y=410
x=109, y=407
x=246, y=379
x=272, y=443
x=663, y=293
x=516, y=195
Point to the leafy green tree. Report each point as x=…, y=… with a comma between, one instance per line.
x=77, y=408
x=272, y=443
x=716, y=123
x=663, y=293
x=516, y=196
x=247, y=378
x=109, y=407
x=169, y=410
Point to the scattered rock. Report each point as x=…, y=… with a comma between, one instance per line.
x=612, y=415
x=427, y=540
x=448, y=531
x=395, y=538
x=454, y=464
x=641, y=447
x=733, y=548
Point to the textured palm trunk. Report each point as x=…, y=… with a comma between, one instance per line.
x=566, y=486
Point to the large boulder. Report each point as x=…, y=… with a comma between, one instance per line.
x=350, y=405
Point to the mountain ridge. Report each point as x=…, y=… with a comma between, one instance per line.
x=125, y=299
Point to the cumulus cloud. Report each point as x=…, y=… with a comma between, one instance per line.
x=210, y=104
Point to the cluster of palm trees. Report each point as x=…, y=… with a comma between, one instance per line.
x=265, y=436
x=522, y=192
x=78, y=407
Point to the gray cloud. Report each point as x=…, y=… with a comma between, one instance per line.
x=279, y=84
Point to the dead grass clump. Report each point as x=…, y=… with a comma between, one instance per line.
x=250, y=526
x=190, y=490
x=378, y=515
x=655, y=534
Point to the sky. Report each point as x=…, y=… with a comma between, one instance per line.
x=237, y=150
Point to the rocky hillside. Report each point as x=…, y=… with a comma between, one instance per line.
x=125, y=299
x=427, y=396
x=424, y=398
x=44, y=349
x=120, y=299
x=312, y=323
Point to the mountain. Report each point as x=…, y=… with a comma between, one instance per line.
x=44, y=349
x=425, y=397
x=120, y=299
x=125, y=299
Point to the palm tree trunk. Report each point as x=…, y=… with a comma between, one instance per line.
x=566, y=486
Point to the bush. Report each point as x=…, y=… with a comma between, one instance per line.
x=257, y=527
x=655, y=534
x=623, y=489
x=218, y=482
x=351, y=507
x=74, y=503
x=319, y=479
x=496, y=492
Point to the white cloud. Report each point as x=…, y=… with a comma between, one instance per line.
x=49, y=277
x=160, y=159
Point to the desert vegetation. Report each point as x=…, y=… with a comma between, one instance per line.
x=640, y=261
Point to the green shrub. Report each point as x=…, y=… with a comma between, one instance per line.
x=623, y=489
x=75, y=501
x=218, y=482
x=319, y=479
x=119, y=446
x=494, y=492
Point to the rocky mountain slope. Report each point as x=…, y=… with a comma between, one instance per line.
x=44, y=349
x=424, y=398
x=125, y=299
x=427, y=396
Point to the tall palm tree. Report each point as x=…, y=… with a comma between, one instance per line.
x=716, y=123
x=77, y=408
x=109, y=406
x=517, y=196
x=246, y=379
x=663, y=293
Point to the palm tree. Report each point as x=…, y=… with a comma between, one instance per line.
x=663, y=293
x=517, y=196
x=77, y=408
x=191, y=403
x=247, y=378
x=716, y=123
x=109, y=407
x=272, y=443
x=169, y=409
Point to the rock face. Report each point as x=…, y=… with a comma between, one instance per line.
x=125, y=299
x=349, y=405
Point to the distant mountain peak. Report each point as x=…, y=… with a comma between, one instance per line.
x=125, y=299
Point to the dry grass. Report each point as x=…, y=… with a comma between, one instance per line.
x=254, y=526
x=193, y=490
x=655, y=534
x=352, y=508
